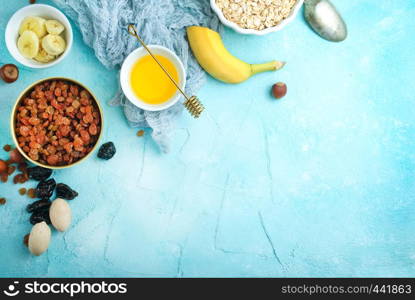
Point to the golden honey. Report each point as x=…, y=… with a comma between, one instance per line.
x=148, y=81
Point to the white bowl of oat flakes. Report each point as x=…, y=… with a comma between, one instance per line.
x=257, y=17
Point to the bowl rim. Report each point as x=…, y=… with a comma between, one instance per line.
x=13, y=117
x=127, y=89
x=241, y=30
x=10, y=30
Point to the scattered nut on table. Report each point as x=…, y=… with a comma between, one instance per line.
x=39, y=238
x=60, y=214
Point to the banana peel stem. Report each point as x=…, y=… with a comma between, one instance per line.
x=270, y=66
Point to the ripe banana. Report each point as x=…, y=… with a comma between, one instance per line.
x=28, y=44
x=53, y=44
x=210, y=52
x=54, y=27
x=43, y=56
x=35, y=24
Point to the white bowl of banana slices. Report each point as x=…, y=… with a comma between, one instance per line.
x=38, y=36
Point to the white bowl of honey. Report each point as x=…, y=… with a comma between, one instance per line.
x=145, y=84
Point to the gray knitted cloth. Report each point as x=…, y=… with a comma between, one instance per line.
x=103, y=25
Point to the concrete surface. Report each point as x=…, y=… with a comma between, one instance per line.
x=320, y=183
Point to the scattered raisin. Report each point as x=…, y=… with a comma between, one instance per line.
x=45, y=188
x=22, y=167
x=31, y=193
x=39, y=173
x=3, y=166
x=26, y=240
x=107, y=151
x=20, y=178
x=65, y=192
x=7, y=148
x=16, y=157
x=17, y=179
x=2, y=201
x=10, y=170
x=38, y=205
x=140, y=133
x=4, y=177
x=22, y=191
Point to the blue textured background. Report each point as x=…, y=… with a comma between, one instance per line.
x=318, y=184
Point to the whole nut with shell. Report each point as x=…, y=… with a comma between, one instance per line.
x=60, y=214
x=39, y=238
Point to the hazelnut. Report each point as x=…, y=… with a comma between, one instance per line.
x=279, y=90
x=9, y=73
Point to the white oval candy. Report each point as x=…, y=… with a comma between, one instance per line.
x=60, y=214
x=39, y=238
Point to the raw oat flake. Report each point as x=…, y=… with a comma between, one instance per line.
x=256, y=14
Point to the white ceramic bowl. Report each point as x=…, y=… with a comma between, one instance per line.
x=125, y=77
x=38, y=10
x=241, y=30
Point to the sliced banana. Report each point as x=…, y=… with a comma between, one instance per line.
x=54, y=27
x=35, y=24
x=43, y=56
x=53, y=44
x=28, y=44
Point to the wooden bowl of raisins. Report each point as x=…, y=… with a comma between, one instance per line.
x=56, y=123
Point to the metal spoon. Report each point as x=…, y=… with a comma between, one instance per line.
x=325, y=20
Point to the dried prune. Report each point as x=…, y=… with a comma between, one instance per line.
x=65, y=192
x=38, y=206
x=39, y=173
x=40, y=216
x=107, y=151
x=45, y=188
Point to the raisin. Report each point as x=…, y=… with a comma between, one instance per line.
x=40, y=216
x=39, y=173
x=52, y=115
x=17, y=178
x=20, y=178
x=107, y=151
x=22, y=167
x=3, y=166
x=10, y=170
x=38, y=205
x=45, y=188
x=7, y=148
x=4, y=177
x=31, y=193
x=65, y=192
x=22, y=191
x=26, y=240
x=16, y=157
x=2, y=201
